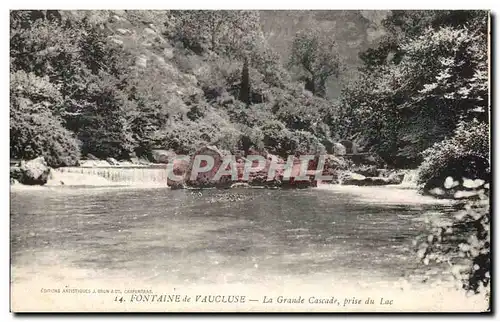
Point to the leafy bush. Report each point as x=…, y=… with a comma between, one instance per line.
x=463, y=240
x=104, y=125
x=34, y=129
x=79, y=68
x=276, y=138
x=306, y=143
x=427, y=75
x=35, y=132
x=466, y=154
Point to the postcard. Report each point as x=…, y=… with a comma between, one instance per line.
x=250, y=161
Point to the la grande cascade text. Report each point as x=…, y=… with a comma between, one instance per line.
x=346, y=301
x=233, y=299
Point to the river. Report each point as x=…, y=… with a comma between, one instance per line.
x=352, y=240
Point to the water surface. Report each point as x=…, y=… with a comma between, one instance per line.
x=361, y=235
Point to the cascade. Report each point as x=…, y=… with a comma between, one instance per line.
x=98, y=176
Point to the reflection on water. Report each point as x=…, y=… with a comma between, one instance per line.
x=217, y=236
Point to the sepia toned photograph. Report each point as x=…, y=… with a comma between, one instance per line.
x=250, y=161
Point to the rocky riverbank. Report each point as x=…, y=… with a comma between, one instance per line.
x=270, y=174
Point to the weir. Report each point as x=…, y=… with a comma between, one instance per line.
x=155, y=175
x=150, y=175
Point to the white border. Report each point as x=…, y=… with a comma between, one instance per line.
x=191, y=4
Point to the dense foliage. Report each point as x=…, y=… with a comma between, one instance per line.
x=34, y=129
x=123, y=83
x=428, y=75
x=463, y=240
x=466, y=154
x=421, y=100
x=318, y=57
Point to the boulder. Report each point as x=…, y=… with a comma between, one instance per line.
x=206, y=179
x=149, y=31
x=366, y=170
x=240, y=185
x=332, y=166
x=141, y=61
x=33, y=172
x=356, y=179
x=90, y=156
x=112, y=161
x=123, y=31
x=339, y=149
x=179, y=169
x=261, y=178
x=163, y=156
x=396, y=177
x=168, y=53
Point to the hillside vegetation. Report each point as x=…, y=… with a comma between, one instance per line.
x=120, y=83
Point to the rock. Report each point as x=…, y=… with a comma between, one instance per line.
x=112, y=161
x=396, y=177
x=33, y=172
x=92, y=157
x=332, y=166
x=350, y=146
x=339, y=149
x=240, y=185
x=225, y=99
x=125, y=163
x=260, y=179
x=206, y=179
x=159, y=59
x=119, y=12
x=123, y=31
x=162, y=156
x=366, y=170
x=141, y=61
x=355, y=179
x=467, y=166
x=175, y=185
x=149, y=31
x=116, y=18
x=117, y=41
x=179, y=170
x=168, y=53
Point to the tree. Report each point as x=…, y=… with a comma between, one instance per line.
x=34, y=130
x=404, y=106
x=317, y=55
x=245, y=84
x=228, y=32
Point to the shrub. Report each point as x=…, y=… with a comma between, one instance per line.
x=306, y=143
x=104, y=125
x=463, y=240
x=35, y=132
x=276, y=138
x=466, y=154
x=34, y=129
